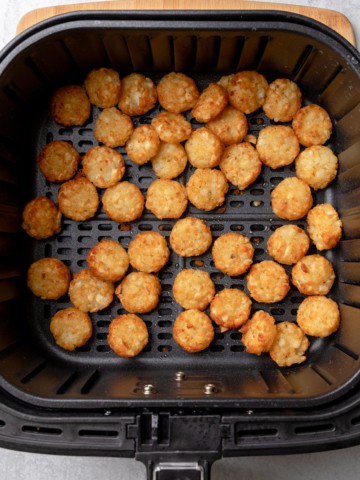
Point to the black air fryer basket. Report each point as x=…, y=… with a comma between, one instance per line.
x=166, y=406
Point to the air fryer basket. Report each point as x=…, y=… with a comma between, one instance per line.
x=40, y=375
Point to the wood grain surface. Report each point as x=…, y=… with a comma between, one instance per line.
x=333, y=19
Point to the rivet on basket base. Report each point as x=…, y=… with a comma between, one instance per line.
x=179, y=376
x=209, y=389
x=149, y=389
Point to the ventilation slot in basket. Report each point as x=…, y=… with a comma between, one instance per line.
x=41, y=430
x=314, y=429
x=99, y=433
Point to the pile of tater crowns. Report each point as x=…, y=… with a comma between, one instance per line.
x=220, y=151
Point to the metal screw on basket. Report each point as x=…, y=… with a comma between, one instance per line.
x=209, y=389
x=179, y=376
x=149, y=389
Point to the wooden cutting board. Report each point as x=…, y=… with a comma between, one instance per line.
x=333, y=19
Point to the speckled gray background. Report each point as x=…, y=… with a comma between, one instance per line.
x=337, y=465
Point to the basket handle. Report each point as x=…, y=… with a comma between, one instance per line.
x=178, y=470
x=177, y=447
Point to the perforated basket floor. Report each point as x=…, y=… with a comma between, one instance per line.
x=248, y=212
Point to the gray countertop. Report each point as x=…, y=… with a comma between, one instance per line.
x=340, y=464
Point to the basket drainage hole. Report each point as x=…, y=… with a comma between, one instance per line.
x=165, y=228
x=256, y=191
x=164, y=348
x=236, y=203
x=83, y=349
x=2, y=423
x=164, y=323
x=217, y=227
x=145, y=227
x=103, y=323
x=101, y=336
x=197, y=263
x=103, y=348
x=236, y=228
x=105, y=227
x=235, y=336
x=216, y=348
x=164, y=336
x=257, y=228
x=237, y=348
x=84, y=227
x=257, y=240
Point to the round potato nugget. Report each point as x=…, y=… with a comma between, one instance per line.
x=241, y=164
x=268, y=282
x=139, y=292
x=204, y=149
x=71, y=328
x=193, y=331
x=171, y=127
x=123, y=202
x=247, y=91
x=41, y=218
x=291, y=199
x=313, y=275
x=166, y=199
x=128, y=335
x=230, y=309
x=312, y=125
x=48, y=278
x=78, y=199
x=103, y=166
x=282, y=100
x=143, y=144
x=324, y=226
x=108, y=260
x=288, y=244
x=289, y=346
x=138, y=94
x=230, y=126
x=232, y=253
x=317, y=166
x=318, y=316
x=103, y=87
x=58, y=161
x=259, y=333
x=170, y=160
x=177, y=92
x=211, y=103
x=89, y=293
x=70, y=106
x=190, y=237
x=148, y=252
x=193, y=289
x=206, y=188
x=113, y=128
x=277, y=146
